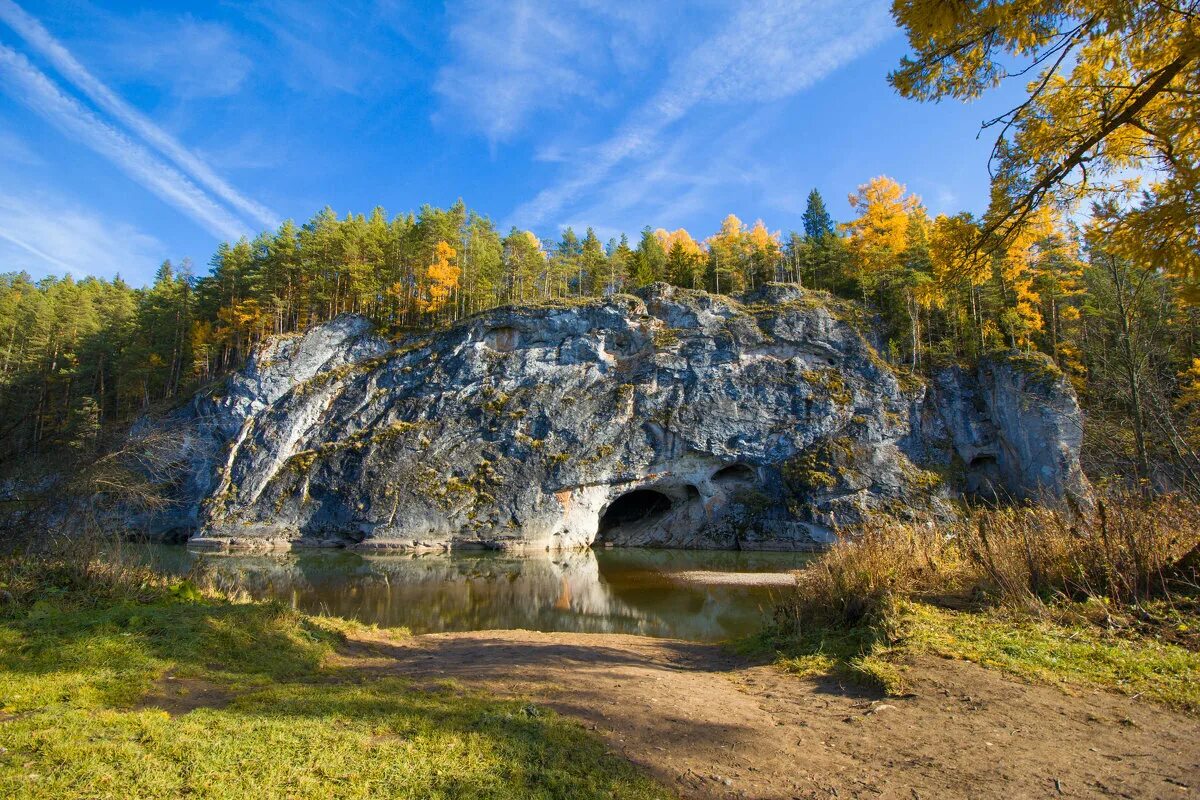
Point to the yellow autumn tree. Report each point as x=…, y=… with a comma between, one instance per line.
x=204, y=349
x=729, y=248
x=442, y=276
x=239, y=325
x=960, y=268
x=668, y=239
x=1018, y=268
x=880, y=232
x=764, y=252
x=1059, y=283
x=685, y=257
x=1111, y=112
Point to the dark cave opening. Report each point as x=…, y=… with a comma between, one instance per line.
x=983, y=478
x=633, y=507
x=734, y=473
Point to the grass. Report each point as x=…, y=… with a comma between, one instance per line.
x=80, y=655
x=1110, y=599
x=1046, y=651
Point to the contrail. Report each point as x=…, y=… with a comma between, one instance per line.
x=32, y=31
x=8, y=237
x=41, y=95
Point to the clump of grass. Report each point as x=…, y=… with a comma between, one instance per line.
x=1129, y=551
x=860, y=579
x=1060, y=650
x=79, y=571
x=1117, y=586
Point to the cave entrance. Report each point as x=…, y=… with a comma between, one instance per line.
x=631, y=508
x=734, y=473
x=983, y=480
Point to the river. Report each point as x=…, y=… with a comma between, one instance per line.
x=600, y=591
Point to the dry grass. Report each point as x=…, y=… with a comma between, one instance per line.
x=1123, y=579
x=1128, y=551
x=860, y=578
x=81, y=572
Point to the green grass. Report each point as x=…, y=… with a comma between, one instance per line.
x=73, y=672
x=1052, y=651
x=859, y=655
x=1080, y=654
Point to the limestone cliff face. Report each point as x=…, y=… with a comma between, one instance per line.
x=671, y=418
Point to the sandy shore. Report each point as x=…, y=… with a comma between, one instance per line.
x=735, y=578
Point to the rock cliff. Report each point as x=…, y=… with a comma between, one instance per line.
x=668, y=418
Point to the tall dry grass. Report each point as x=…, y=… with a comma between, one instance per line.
x=1127, y=551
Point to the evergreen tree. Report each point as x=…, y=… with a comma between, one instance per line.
x=649, y=260
x=818, y=224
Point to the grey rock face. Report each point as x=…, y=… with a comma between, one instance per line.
x=671, y=418
x=1016, y=427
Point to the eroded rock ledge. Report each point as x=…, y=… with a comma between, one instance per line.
x=669, y=418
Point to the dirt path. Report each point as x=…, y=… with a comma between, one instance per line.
x=713, y=725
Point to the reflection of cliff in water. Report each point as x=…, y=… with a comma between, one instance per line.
x=618, y=591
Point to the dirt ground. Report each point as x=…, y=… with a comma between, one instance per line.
x=714, y=725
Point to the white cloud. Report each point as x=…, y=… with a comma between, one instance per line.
x=511, y=60
x=17, y=151
x=359, y=49
x=765, y=52
x=190, y=57
x=40, y=40
x=37, y=92
x=44, y=234
x=664, y=188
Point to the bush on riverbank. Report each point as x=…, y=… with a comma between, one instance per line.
x=1111, y=598
x=114, y=680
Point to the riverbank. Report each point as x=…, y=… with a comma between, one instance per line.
x=710, y=723
x=115, y=683
x=130, y=685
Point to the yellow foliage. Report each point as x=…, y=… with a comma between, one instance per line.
x=1112, y=115
x=730, y=240
x=880, y=233
x=246, y=317
x=443, y=277
x=1189, y=387
x=761, y=241
x=953, y=248
x=668, y=239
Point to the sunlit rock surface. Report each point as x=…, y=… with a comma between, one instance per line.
x=672, y=418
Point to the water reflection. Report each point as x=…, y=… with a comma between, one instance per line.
x=611, y=591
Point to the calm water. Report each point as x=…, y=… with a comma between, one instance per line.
x=609, y=591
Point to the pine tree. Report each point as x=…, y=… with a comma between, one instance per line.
x=817, y=222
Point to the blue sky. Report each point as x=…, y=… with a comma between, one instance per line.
x=130, y=133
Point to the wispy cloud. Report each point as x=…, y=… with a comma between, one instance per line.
x=17, y=151
x=665, y=186
x=511, y=60
x=37, y=37
x=765, y=52
x=191, y=58
x=42, y=96
x=44, y=234
x=352, y=48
